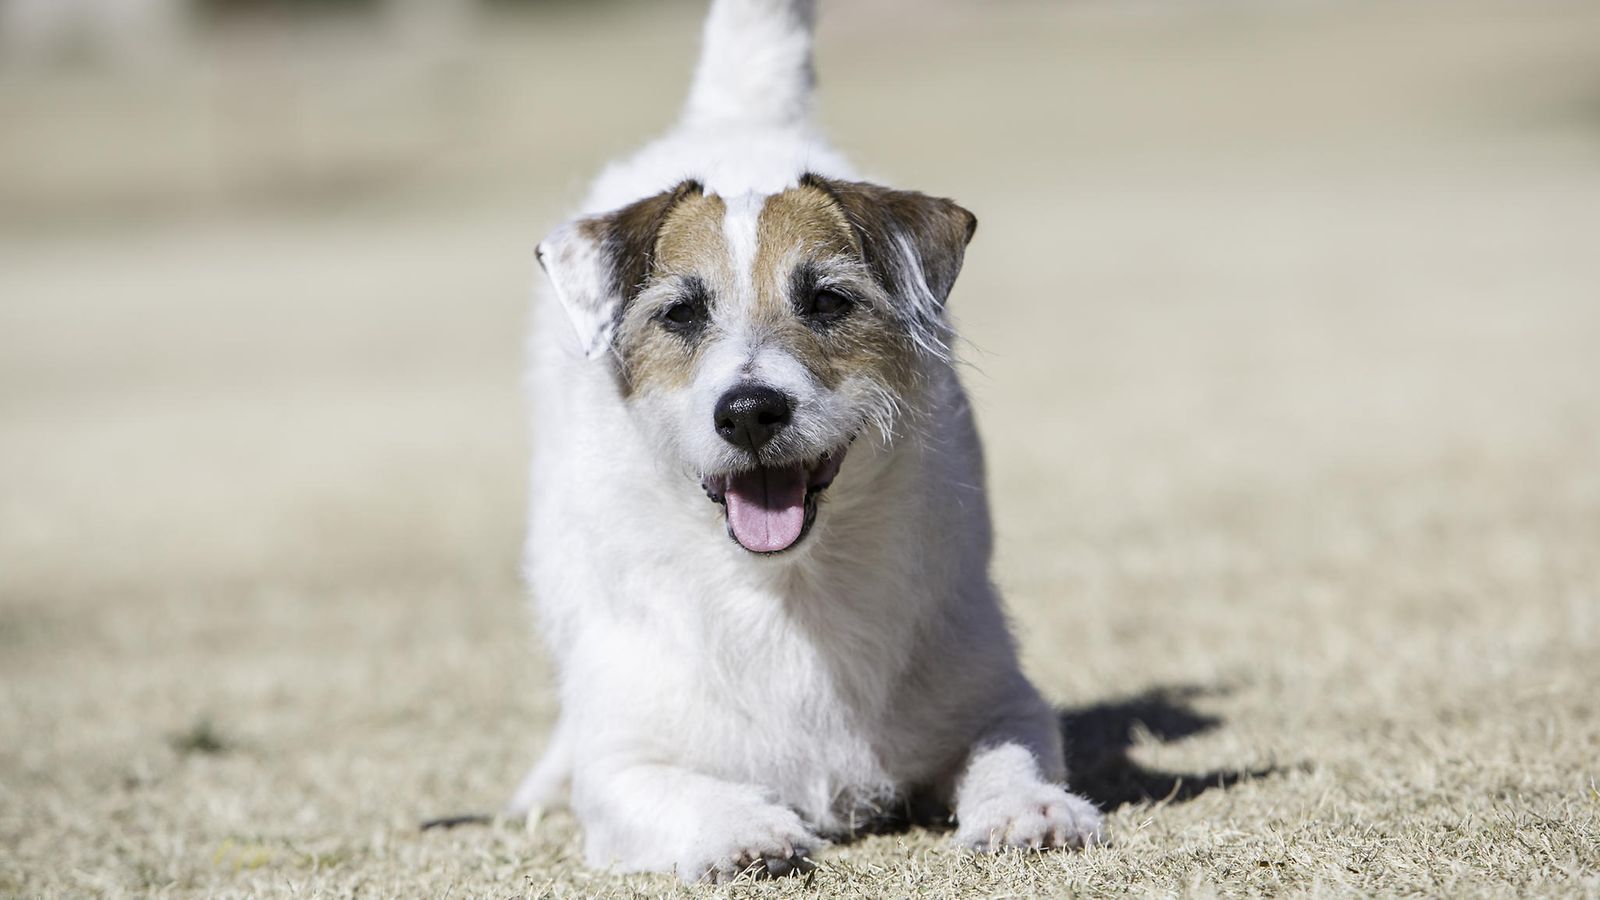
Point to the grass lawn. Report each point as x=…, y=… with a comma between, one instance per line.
x=1283, y=323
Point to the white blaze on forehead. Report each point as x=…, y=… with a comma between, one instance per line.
x=740, y=226
x=761, y=359
x=740, y=231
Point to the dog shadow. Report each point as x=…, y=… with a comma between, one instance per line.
x=1099, y=739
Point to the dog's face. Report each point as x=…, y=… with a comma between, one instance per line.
x=755, y=338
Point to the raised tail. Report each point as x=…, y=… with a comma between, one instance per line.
x=755, y=64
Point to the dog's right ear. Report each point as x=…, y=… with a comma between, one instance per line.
x=598, y=264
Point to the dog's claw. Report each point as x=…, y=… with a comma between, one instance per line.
x=784, y=866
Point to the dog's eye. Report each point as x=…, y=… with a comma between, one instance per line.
x=684, y=315
x=826, y=304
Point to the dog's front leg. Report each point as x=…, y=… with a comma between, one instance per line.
x=1011, y=792
x=661, y=818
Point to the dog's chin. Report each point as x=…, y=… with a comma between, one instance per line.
x=771, y=508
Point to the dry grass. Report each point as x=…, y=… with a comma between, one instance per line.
x=1286, y=335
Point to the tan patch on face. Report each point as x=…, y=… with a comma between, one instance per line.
x=689, y=250
x=804, y=241
x=691, y=239
x=799, y=224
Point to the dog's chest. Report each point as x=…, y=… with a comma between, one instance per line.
x=786, y=716
x=782, y=685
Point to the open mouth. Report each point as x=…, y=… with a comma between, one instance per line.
x=770, y=508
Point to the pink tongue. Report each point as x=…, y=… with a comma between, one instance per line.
x=767, y=508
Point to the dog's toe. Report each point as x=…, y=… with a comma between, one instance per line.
x=762, y=866
x=766, y=842
x=1043, y=817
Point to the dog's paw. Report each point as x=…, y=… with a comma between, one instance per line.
x=767, y=842
x=1034, y=817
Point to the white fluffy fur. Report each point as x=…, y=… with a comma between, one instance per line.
x=718, y=706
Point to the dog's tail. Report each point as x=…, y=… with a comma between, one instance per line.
x=755, y=64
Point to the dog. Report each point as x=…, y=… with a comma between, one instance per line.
x=759, y=539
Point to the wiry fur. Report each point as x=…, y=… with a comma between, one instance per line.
x=721, y=707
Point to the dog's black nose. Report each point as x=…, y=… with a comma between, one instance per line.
x=750, y=415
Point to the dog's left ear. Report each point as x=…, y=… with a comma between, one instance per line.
x=913, y=243
x=598, y=264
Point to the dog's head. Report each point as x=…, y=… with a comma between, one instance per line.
x=756, y=337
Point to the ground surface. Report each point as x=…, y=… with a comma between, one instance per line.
x=1285, y=330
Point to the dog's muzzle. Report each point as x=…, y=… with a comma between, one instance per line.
x=770, y=508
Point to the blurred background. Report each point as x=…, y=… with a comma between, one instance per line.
x=1283, y=325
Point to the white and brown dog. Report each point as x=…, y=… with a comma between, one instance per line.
x=759, y=541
